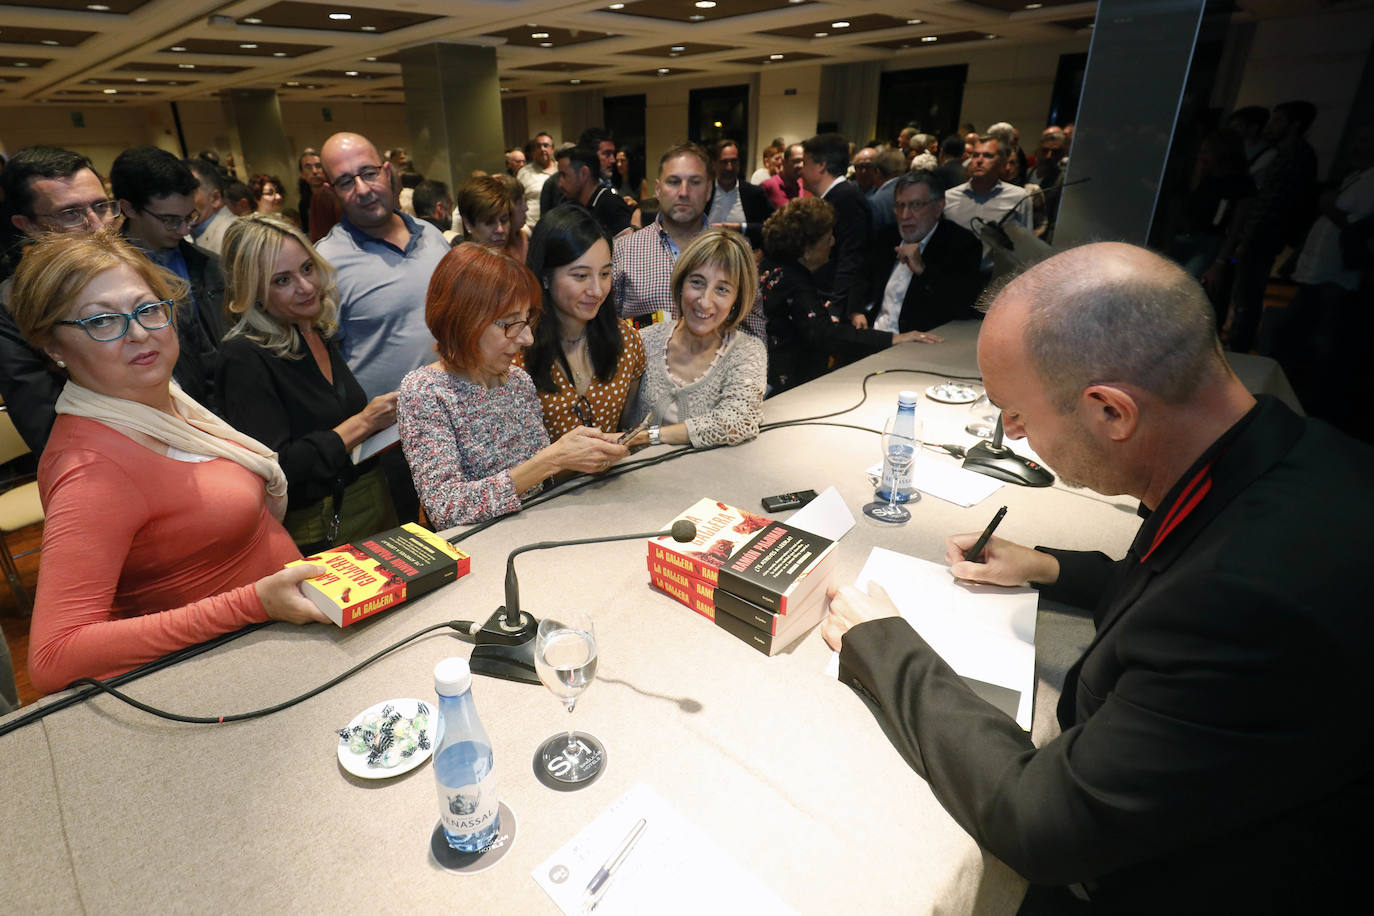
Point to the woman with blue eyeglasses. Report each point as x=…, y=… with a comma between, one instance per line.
x=162, y=521
x=470, y=423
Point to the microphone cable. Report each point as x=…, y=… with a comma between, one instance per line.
x=93, y=686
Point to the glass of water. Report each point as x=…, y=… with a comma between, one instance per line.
x=565, y=659
x=899, y=452
x=982, y=417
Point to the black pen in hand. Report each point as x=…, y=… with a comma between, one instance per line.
x=973, y=552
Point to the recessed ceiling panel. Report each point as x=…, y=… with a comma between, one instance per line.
x=53, y=38
x=245, y=48
x=930, y=41
x=841, y=25
x=91, y=6
x=544, y=36
x=291, y=14
x=160, y=67
x=680, y=49
x=701, y=10
x=776, y=58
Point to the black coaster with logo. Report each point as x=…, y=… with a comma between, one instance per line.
x=470, y=863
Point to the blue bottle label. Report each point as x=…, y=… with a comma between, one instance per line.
x=468, y=809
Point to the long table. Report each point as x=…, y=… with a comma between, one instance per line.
x=110, y=810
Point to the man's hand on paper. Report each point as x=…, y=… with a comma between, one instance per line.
x=1002, y=562
x=849, y=607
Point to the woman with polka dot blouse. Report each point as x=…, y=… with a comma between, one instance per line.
x=470, y=423
x=586, y=364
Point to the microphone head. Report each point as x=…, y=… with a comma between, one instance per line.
x=684, y=531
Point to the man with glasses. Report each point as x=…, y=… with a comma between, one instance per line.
x=215, y=217
x=46, y=189
x=384, y=259
x=924, y=270
x=156, y=193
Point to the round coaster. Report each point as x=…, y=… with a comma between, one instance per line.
x=470, y=863
x=596, y=757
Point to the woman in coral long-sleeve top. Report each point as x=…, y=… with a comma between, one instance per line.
x=162, y=521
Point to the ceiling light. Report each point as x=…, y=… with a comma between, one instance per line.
x=546, y=44
x=538, y=35
x=187, y=66
x=140, y=79
x=1034, y=6
x=292, y=83
x=678, y=48
x=369, y=58
x=49, y=41
x=575, y=82
x=705, y=4
x=248, y=47
x=21, y=63
x=990, y=35
x=617, y=6
x=914, y=21
x=109, y=91
x=341, y=17
x=278, y=53
x=178, y=48
x=662, y=69
x=842, y=24
x=505, y=89
x=930, y=38
x=252, y=20
x=696, y=17
x=368, y=28
x=673, y=54
x=822, y=34
x=717, y=124
x=775, y=57
x=98, y=7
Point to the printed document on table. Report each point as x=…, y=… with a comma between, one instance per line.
x=985, y=633
x=671, y=866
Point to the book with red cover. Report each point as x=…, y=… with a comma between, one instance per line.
x=684, y=592
x=381, y=571
x=721, y=531
x=779, y=566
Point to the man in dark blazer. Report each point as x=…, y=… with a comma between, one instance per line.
x=155, y=193
x=825, y=160
x=1215, y=746
x=735, y=203
x=924, y=270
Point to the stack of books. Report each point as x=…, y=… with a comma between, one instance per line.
x=761, y=580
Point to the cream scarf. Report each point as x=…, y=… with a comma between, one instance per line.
x=194, y=429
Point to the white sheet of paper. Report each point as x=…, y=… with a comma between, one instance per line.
x=665, y=871
x=826, y=515
x=949, y=482
x=982, y=631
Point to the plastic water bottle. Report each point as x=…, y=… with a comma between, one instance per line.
x=903, y=425
x=463, y=771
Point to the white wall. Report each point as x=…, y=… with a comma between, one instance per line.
x=792, y=117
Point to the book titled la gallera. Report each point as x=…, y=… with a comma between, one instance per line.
x=380, y=572
x=761, y=580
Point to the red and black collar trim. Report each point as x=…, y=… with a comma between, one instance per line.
x=1188, y=500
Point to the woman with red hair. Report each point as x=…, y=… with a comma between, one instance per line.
x=470, y=423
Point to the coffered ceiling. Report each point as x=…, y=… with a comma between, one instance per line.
x=136, y=51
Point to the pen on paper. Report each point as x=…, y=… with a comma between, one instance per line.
x=973, y=552
x=597, y=886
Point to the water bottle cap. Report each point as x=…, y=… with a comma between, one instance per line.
x=906, y=398
x=452, y=677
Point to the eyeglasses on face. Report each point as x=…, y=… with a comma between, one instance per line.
x=108, y=326
x=347, y=184
x=172, y=222
x=512, y=328
x=73, y=217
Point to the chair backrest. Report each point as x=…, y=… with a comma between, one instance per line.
x=12, y=445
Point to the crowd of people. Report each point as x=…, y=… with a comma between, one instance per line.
x=197, y=365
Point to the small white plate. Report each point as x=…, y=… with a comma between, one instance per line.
x=952, y=393
x=357, y=763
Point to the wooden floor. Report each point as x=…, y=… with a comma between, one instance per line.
x=15, y=622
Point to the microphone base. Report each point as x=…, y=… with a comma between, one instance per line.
x=505, y=648
x=1005, y=465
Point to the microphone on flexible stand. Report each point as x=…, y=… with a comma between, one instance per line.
x=505, y=643
x=998, y=461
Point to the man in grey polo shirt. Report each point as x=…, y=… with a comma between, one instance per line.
x=985, y=195
x=384, y=260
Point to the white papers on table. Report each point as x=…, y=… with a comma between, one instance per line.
x=949, y=482
x=375, y=443
x=672, y=867
x=826, y=515
x=985, y=633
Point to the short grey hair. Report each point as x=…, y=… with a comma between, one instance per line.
x=890, y=162
x=1005, y=134
x=1113, y=313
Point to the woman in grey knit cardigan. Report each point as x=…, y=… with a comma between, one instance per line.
x=705, y=380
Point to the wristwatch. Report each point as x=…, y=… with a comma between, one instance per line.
x=654, y=438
